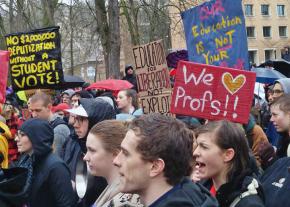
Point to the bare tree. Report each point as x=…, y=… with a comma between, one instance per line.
x=108, y=27
x=49, y=7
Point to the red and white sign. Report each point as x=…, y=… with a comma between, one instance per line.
x=4, y=62
x=213, y=92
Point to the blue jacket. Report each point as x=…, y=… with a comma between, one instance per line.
x=276, y=183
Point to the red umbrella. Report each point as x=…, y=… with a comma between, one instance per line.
x=111, y=84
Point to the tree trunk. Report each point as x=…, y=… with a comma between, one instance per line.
x=49, y=7
x=109, y=30
x=114, y=39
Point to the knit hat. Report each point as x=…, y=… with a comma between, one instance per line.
x=69, y=92
x=128, y=67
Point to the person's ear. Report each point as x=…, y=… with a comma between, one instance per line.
x=157, y=167
x=130, y=99
x=228, y=154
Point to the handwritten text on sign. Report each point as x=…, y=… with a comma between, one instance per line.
x=213, y=92
x=152, y=77
x=215, y=34
x=35, y=59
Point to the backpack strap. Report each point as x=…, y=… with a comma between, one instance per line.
x=252, y=190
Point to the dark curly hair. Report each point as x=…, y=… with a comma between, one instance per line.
x=166, y=138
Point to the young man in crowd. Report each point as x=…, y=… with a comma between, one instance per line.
x=40, y=106
x=155, y=159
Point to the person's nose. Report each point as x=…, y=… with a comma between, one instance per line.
x=196, y=152
x=116, y=161
x=86, y=157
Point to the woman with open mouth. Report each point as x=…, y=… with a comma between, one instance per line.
x=223, y=165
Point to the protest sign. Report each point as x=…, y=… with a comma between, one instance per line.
x=216, y=35
x=213, y=92
x=35, y=59
x=4, y=59
x=152, y=77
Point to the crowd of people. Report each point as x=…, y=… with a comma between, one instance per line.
x=132, y=159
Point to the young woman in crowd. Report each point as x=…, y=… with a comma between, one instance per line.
x=51, y=185
x=103, y=145
x=223, y=163
x=127, y=102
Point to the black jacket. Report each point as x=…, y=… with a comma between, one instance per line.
x=51, y=185
x=75, y=148
x=276, y=183
x=186, y=194
x=238, y=188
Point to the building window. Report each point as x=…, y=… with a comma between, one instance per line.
x=267, y=31
x=269, y=54
x=253, y=56
x=282, y=31
x=265, y=10
x=250, y=31
x=249, y=9
x=281, y=10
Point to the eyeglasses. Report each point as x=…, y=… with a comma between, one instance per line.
x=277, y=91
x=78, y=119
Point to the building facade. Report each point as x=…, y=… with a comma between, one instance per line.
x=267, y=26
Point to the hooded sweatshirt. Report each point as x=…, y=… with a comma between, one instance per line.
x=51, y=185
x=285, y=83
x=98, y=110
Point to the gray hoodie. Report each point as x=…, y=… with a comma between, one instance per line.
x=285, y=83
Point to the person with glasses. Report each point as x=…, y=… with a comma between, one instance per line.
x=281, y=87
x=51, y=184
x=89, y=112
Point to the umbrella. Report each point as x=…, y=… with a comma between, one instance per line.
x=111, y=84
x=265, y=75
x=71, y=81
x=280, y=65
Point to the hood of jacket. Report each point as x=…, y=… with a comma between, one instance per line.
x=98, y=110
x=285, y=83
x=40, y=134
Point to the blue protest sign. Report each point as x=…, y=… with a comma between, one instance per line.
x=216, y=35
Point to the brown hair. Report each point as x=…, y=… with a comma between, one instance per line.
x=283, y=102
x=111, y=132
x=229, y=135
x=40, y=96
x=131, y=93
x=168, y=139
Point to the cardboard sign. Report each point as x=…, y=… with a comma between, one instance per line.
x=213, y=92
x=4, y=60
x=152, y=78
x=216, y=35
x=35, y=59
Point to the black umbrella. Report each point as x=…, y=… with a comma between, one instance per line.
x=280, y=65
x=71, y=81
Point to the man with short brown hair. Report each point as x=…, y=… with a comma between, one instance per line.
x=40, y=106
x=155, y=159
